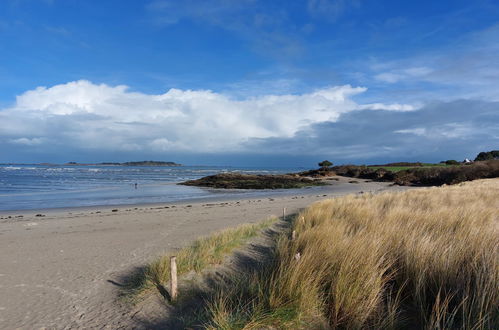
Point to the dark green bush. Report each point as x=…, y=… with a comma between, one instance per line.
x=494, y=154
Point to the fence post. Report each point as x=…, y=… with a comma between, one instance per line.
x=173, y=277
x=283, y=213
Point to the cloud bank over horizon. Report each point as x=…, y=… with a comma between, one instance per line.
x=83, y=118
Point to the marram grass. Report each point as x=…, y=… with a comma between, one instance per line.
x=420, y=259
x=201, y=254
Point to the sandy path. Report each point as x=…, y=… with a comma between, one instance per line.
x=55, y=271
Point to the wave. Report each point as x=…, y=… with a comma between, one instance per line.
x=12, y=168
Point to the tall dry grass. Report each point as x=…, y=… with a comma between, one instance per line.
x=425, y=258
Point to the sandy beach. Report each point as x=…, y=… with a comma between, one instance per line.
x=61, y=269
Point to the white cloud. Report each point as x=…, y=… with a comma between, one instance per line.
x=391, y=107
x=417, y=71
x=419, y=131
x=388, y=77
x=457, y=130
x=446, y=131
x=403, y=74
x=85, y=115
x=27, y=141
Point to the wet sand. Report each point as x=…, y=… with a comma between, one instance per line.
x=61, y=269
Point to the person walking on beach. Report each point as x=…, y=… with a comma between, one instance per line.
x=135, y=185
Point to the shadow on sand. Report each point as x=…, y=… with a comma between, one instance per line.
x=189, y=311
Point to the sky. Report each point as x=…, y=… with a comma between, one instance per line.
x=248, y=82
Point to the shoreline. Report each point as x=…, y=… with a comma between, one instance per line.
x=53, y=188
x=64, y=270
x=218, y=195
x=224, y=196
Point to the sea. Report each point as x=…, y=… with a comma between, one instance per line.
x=33, y=187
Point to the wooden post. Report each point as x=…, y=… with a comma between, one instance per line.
x=293, y=235
x=173, y=277
x=283, y=213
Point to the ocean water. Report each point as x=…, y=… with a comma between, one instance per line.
x=24, y=187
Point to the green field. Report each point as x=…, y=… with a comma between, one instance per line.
x=401, y=168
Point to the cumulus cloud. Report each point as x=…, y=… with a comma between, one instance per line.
x=84, y=115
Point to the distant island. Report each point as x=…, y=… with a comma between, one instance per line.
x=139, y=163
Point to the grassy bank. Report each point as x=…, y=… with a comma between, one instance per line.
x=201, y=254
x=425, y=258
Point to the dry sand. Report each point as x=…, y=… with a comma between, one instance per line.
x=63, y=270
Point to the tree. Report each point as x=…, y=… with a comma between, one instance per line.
x=325, y=164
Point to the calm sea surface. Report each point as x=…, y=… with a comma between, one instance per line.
x=24, y=187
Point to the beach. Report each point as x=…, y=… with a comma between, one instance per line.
x=62, y=268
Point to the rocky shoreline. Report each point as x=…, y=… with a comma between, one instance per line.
x=254, y=181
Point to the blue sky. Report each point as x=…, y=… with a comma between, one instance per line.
x=248, y=82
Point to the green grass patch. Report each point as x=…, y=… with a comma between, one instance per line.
x=402, y=168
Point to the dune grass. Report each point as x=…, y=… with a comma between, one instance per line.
x=201, y=254
x=420, y=259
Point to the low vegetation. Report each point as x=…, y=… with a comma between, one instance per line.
x=421, y=259
x=487, y=155
x=450, y=162
x=395, y=167
x=248, y=181
x=200, y=255
x=448, y=175
x=422, y=175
